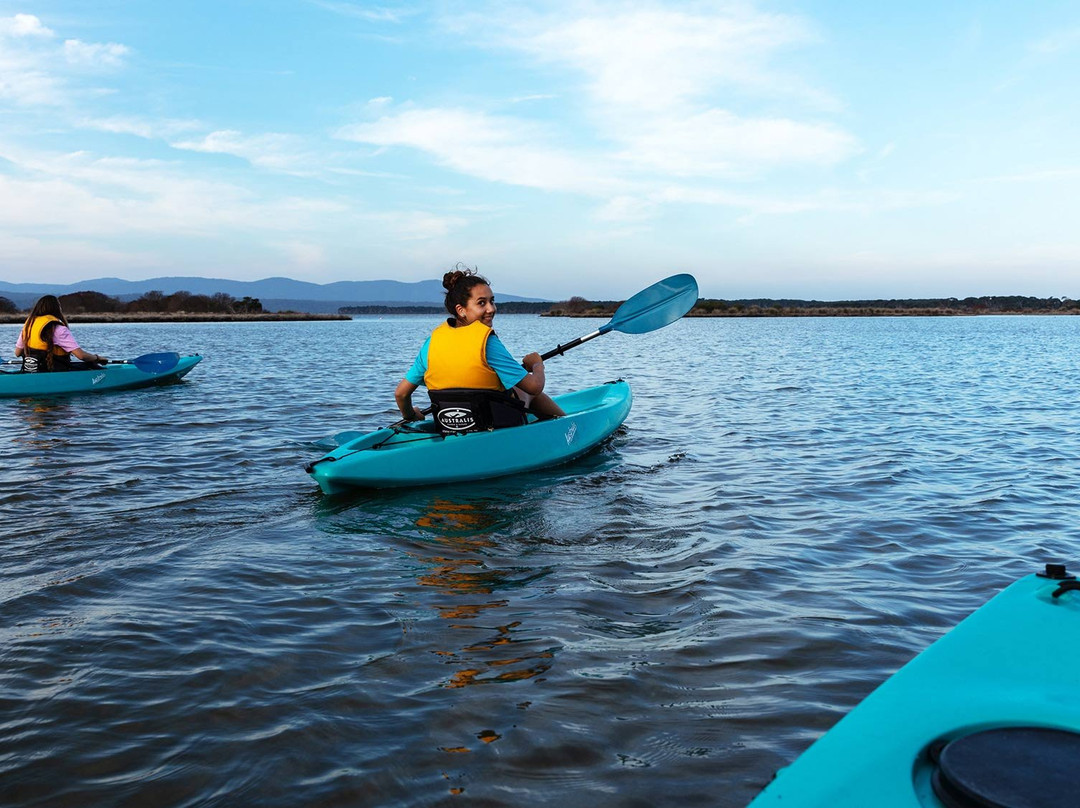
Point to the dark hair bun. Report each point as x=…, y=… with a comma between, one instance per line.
x=453, y=277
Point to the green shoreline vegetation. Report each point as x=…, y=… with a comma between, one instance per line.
x=155, y=307
x=182, y=317
x=184, y=307
x=911, y=307
x=766, y=307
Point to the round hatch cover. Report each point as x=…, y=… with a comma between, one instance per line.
x=1009, y=767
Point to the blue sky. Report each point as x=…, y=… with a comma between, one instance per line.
x=822, y=150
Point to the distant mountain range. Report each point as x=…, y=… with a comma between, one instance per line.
x=276, y=294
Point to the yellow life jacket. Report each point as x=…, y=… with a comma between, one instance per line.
x=36, y=341
x=457, y=357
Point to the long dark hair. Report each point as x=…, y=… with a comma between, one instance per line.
x=458, y=283
x=47, y=305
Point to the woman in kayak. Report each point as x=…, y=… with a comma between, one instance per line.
x=45, y=343
x=465, y=356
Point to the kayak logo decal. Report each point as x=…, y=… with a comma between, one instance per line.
x=98, y=378
x=457, y=419
x=571, y=432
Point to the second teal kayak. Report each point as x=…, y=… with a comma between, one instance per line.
x=986, y=716
x=114, y=376
x=415, y=455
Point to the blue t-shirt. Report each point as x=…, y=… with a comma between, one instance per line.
x=508, y=369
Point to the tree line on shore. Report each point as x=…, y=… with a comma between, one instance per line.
x=151, y=302
x=508, y=307
x=224, y=304
x=766, y=307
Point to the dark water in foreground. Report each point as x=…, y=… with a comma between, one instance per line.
x=793, y=510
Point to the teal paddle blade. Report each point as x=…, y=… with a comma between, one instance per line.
x=155, y=362
x=661, y=304
x=334, y=441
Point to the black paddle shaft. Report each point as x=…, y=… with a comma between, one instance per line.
x=561, y=349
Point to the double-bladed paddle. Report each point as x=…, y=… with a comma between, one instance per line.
x=650, y=309
x=147, y=363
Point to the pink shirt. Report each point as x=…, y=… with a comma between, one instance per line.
x=61, y=339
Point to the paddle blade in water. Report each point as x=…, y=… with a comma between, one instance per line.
x=340, y=439
x=156, y=362
x=661, y=304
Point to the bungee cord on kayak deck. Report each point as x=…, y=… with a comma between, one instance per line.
x=395, y=429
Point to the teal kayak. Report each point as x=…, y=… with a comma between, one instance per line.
x=415, y=454
x=986, y=716
x=113, y=376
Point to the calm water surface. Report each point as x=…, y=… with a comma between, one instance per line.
x=793, y=509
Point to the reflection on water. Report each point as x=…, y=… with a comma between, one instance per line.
x=445, y=515
x=494, y=652
x=45, y=428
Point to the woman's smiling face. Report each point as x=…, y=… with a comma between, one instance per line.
x=481, y=306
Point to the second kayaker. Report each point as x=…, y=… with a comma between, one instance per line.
x=473, y=381
x=45, y=343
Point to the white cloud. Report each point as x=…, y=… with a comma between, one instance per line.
x=826, y=200
x=517, y=152
x=494, y=148
x=25, y=76
x=95, y=54
x=36, y=71
x=83, y=195
x=417, y=225
x=24, y=84
x=148, y=128
x=719, y=143
x=76, y=209
x=365, y=11
x=522, y=99
x=666, y=92
x=274, y=151
x=23, y=25
x=651, y=58
x=103, y=199
x=626, y=209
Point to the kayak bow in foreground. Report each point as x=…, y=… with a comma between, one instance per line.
x=415, y=454
x=986, y=716
x=113, y=376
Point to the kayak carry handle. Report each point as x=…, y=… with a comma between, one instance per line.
x=1067, y=586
